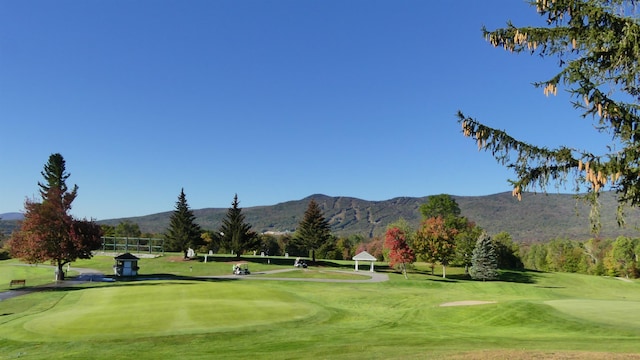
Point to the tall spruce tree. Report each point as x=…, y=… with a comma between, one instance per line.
x=596, y=44
x=183, y=232
x=235, y=233
x=313, y=230
x=484, y=261
x=55, y=177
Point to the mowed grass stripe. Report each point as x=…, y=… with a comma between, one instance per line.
x=615, y=313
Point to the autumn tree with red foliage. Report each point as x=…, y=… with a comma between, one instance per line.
x=374, y=247
x=436, y=242
x=399, y=251
x=48, y=231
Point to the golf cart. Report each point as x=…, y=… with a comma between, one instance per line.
x=241, y=269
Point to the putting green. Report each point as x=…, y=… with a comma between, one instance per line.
x=618, y=313
x=160, y=309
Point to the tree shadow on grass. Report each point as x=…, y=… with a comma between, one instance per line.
x=142, y=280
x=515, y=276
x=449, y=279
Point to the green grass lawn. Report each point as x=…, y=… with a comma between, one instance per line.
x=14, y=270
x=535, y=315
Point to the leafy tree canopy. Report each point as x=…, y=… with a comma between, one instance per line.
x=435, y=242
x=127, y=229
x=596, y=44
x=400, y=254
x=440, y=205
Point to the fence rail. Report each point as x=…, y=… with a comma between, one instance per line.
x=133, y=244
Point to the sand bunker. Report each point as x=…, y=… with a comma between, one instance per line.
x=467, y=303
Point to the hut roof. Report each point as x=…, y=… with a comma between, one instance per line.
x=127, y=256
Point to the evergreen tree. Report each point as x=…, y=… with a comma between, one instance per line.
x=596, y=44
x=465, y=243
x=484, y=262
x=183, y=232
x=236, y=234
x=55, y=177
x=313, y=230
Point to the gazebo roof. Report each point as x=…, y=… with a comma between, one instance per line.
x=364, y=256
x=127, y=256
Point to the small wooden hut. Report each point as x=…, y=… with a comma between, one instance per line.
x=126, y=265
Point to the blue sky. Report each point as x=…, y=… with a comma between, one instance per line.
x=272, y=100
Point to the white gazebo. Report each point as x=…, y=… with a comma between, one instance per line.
x=364, y=256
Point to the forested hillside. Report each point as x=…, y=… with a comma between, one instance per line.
x=536, y=217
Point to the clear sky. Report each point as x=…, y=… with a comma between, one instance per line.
x=274, y=100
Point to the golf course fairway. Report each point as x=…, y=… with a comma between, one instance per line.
x=528, y=315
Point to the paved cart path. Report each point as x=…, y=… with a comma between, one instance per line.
x=92, y=275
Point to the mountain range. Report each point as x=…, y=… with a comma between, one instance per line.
x=538, y=217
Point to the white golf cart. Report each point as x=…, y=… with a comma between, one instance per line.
x=241, y=269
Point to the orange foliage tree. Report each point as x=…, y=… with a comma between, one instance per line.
x=435, y=242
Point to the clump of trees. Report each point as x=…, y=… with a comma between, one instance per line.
x=446, y=238
x=48, y=232
x=610, y=257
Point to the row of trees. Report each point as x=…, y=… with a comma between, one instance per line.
x=611, y=257
x=235, y=235
x=49, y=233
x=446, y=238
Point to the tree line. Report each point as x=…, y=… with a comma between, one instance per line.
x=312, y=238
x=49, y=233
x=596, y=256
